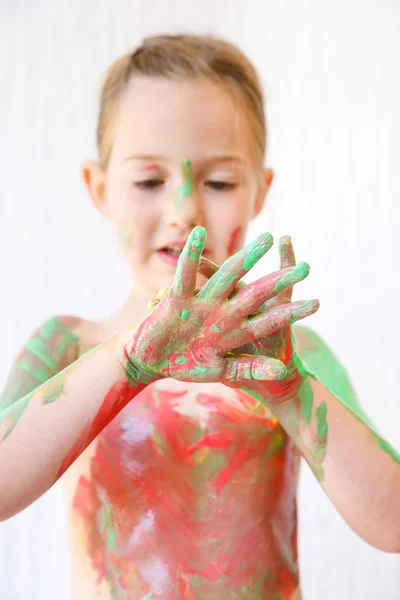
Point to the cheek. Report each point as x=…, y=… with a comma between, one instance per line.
x=134, y=229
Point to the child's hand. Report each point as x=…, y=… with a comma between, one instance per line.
x=278, y=343
x=189, y=336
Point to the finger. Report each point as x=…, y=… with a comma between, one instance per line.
x=184, y=280
x=287, y=259
x=207, y=268
x=252, y=296
x=243, y=367
x=221, y=283
x=267, y=321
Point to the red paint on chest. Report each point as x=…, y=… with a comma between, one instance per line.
x=197, y=500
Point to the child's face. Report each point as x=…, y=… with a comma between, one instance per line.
x=159, y=124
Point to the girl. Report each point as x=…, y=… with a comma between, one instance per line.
x=179, y=437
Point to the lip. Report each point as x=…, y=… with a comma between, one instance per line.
x=171, y=259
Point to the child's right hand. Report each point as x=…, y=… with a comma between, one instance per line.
x=189, y=336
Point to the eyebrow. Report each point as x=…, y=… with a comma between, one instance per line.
x=216, y=158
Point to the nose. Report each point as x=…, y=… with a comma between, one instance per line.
x=184, y=209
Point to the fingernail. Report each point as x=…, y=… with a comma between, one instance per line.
x=296, y=274
x=305, y=309
x=270, y=369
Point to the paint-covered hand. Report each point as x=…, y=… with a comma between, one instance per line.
x=189, y=335
x=278, y=343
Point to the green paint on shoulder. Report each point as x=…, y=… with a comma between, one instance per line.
x=321, y=364
x=40, y=349
x=387, y=447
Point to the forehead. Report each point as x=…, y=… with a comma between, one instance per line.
x=180, y=119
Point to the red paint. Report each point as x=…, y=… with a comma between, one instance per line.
x=149, y=168
x=118, y=396
x=234, y=240
x=201, y=500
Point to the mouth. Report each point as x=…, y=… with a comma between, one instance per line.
x=171, y=253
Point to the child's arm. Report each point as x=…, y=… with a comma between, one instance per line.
x=358, y=469
x=317, y=407
x=186, y=337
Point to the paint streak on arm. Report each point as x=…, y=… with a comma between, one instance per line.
x=51, y=348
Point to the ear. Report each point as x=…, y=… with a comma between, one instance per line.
x=263, y=187
x=94, y=178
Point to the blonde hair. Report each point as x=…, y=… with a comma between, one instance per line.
x=180, y=57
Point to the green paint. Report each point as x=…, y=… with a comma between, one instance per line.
x=322, y=425
x=200, y=369
x=298, y=273
x=256, y=250
x=187, y=187
x=15, y=411
x=387, y=448
x=305, y=392
x=275, y=445
x=184, y=315
x=16, y=398
x=253, y=393
x=40, y=349
x=111, y=538
x=180, y=360
x=40, y=373
x=124, y=235
x=215, y=329
x=53, y=390
x=323, y=365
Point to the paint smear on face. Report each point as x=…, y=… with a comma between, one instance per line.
x=187, y=187
x=125, y=235
x=234, y=241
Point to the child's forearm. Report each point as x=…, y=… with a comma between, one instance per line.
x=44, y=432
x=359, y=471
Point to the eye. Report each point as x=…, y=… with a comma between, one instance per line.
x=148, y=184
x=221, y=185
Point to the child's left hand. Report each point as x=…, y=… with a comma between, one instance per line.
x=278, y=344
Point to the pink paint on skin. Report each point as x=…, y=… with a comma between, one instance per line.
x=234, y=241
x=207, y=495
x=149, y=168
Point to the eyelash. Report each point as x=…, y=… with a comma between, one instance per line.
x=150, y=184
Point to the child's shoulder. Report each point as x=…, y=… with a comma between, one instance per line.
x=71, y=330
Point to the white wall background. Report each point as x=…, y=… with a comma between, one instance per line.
x=331, y=74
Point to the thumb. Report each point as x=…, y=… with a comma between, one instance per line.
x=244, y=367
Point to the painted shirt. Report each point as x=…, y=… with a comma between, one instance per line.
x=190, y=493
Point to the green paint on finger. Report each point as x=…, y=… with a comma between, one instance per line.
x=298, y=273
x=184, y=314
x=256, y=250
